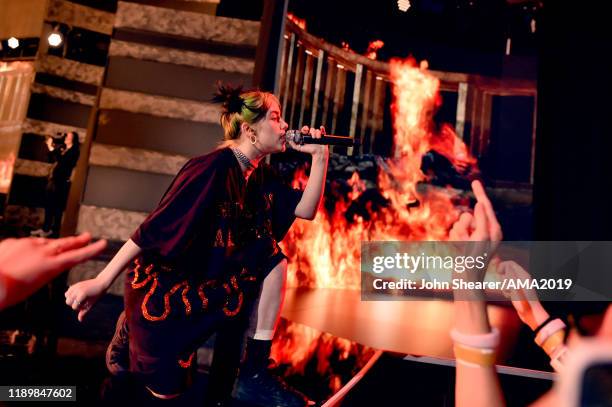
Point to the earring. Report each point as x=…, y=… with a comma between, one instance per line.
x=253, y=138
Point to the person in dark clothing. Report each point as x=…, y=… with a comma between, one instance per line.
x=198, y=262
x=64, y=157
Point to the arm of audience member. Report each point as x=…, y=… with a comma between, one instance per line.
x=525, y=301
x=476, y=385
x=84, y=294
x=29, y=263
x=550, y=332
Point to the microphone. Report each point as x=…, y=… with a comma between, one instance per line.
x=300, y=139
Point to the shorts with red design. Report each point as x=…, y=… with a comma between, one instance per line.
x=169, y=317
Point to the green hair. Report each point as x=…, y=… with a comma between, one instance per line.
x=242, y=107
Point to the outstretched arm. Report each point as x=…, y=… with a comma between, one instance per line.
x=476, y=382
x=84, y=294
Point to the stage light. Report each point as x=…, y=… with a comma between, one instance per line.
x=403, y=5
x=13, y=42
x=55, y=39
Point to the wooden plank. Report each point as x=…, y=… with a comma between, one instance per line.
x=288, y=74
x=377, y=111
x=365, y=113
x=338, y=98
x=306, y=87
x=327, y=95
x=485, y=123
x=474, y=97
x=298, y=77
x=461, y=110
x=317, y=88
x=355, y=106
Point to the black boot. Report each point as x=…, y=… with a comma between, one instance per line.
x=256, y=385
x=118, y=351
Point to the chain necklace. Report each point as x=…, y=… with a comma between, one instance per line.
x=243, y=159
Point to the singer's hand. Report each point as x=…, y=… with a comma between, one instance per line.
x=313, y=149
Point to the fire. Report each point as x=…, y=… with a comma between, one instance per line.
x=300, y=22
x=346, y=46
x=373, y=48
x=328, y=253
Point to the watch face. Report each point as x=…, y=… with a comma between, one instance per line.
x=597, y=385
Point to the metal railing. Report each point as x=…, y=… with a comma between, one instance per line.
x=350, y=93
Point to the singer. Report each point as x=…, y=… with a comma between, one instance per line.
x=207, y=256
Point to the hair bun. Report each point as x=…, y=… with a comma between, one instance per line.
x=229, y=97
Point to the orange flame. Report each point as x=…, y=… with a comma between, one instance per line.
x=300, y=22
x=328, y=253
x=346, y=46
x=373, y=48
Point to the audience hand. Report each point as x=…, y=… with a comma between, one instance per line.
x=27, y=264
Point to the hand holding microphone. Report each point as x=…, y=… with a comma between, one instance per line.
x=296, y=140
x=301, y=137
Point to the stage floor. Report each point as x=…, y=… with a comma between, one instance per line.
x=411, y=327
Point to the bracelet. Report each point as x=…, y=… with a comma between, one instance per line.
x=477, y=357
x=484, y=341
x=553, y=342
x=546, y=330
x=543, y=324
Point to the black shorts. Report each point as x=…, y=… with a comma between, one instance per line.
x=169, y=319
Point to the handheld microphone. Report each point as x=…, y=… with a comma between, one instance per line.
x=300, y=139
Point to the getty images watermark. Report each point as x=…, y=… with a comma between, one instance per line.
x=548, y=271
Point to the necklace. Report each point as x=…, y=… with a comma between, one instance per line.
x=243, y=159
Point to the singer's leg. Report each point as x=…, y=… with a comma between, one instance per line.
x=266, y=312
x=255, y=383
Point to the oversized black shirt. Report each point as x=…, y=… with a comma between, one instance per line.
x=211, y=220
